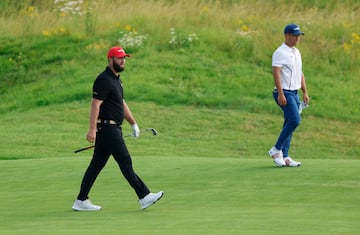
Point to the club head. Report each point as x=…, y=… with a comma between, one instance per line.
x=153, y=131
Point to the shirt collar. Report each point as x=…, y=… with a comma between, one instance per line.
x=110, y=72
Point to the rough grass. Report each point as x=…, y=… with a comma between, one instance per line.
x=228, y=67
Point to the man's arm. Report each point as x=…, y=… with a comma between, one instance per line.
x=128, y=115
x=277, y=81
x=94, y=114
x=131, y=120
x=304, y=90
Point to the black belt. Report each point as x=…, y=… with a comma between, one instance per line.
x=292, y=91
x=109, y=122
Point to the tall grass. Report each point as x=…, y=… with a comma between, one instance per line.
x=329, y=25
x=229, y=66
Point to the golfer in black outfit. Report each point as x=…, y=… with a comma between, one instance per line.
x=108, y=110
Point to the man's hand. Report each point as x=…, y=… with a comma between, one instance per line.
x=91, y=135
x=282, y=100
x=136, y=130
x=306, y=98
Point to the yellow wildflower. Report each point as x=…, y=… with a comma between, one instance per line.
x=62, y=29
x=245, y=28
x=205, y=9
x=346, y=46
x=46, y=33
x=128, y=27
x=355, y=37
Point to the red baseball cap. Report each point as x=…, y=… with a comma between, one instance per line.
x=117, y=52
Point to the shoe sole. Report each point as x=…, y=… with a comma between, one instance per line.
x=294, y=165
x=86, y=209
x=279, y=165
x=82, y=209
x=153, y=202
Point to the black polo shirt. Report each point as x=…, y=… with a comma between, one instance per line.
x=108, y=88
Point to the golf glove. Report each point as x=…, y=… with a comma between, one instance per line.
x=136, y=131
x=302, y=106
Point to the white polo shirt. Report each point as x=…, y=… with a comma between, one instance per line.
x=289, y=59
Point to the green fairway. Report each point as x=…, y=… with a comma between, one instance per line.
x=202, y=196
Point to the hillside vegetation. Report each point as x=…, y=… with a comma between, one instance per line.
x=205, y=61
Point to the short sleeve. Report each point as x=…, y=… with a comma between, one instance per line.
x=101, y=88
x=279, y=59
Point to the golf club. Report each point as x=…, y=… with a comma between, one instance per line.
x=153, y=131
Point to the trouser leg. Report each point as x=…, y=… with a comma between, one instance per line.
x=121, y=154
x=100, y=157
x=286, y=146
x=291, y=121
x=123, y=158
x=109, y=141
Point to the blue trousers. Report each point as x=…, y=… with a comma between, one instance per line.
x=291, y=120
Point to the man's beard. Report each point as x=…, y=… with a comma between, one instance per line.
x=117, y=67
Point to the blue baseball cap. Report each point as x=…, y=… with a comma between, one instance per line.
x=293, y=29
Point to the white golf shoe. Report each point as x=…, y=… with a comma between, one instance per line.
x=85, y=206
x=277, y=156
x=150, y=199
x=290, y=162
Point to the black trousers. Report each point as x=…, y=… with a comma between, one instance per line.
x=109, y=141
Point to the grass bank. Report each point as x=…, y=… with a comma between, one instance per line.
x=57, y=130
x=203, y=53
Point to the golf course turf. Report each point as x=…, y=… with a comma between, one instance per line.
x=202, y=196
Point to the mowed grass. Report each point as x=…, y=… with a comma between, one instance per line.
x=202, y=196
x=183, y=131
